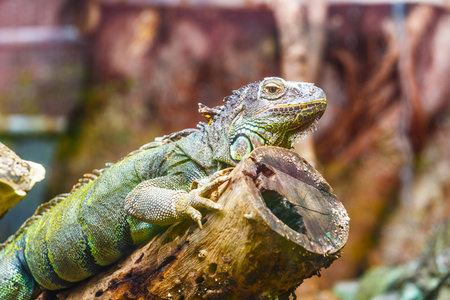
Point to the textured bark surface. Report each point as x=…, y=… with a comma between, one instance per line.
x=281, y=223
x=17, y=177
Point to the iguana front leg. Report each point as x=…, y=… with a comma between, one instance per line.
x=162, y=201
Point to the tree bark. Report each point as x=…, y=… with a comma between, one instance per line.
x=17, y=177
x=280, y=224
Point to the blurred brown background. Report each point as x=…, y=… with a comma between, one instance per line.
x=86, y=82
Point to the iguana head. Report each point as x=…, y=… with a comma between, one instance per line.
x=272, y=112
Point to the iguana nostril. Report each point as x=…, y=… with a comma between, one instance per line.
x=319, y=94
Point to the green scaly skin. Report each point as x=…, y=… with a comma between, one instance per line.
x=115, y=210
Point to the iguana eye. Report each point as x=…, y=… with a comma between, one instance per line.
x=272, y=89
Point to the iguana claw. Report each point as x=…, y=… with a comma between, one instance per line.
x=201, y=190
x=153, y=204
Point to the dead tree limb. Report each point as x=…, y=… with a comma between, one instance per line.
x=280, y=224
x=17, y=177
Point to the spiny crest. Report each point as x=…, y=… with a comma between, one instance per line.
x=40, y=211
x=159, y=141
x=89, y=177
x=232, y=101
x=45, y=207
x=212, y=113
x=167, y=139
x=208, y=112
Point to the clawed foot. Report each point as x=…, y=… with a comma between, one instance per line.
x=204, y=192
x=152, y=202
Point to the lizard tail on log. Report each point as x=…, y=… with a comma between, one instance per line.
x=281, y=224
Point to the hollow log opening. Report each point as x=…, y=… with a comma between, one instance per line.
x=284, y=210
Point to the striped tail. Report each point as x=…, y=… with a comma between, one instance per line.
x=16, y=282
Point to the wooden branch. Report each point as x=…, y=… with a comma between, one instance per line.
x=281, y=223
x=17, y=177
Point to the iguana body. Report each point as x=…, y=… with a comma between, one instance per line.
x=117, y=209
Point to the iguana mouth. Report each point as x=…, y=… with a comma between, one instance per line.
x=296, y=119
x=299, y=120
x=295, y=109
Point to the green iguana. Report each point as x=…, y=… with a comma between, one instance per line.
x=117, y=209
